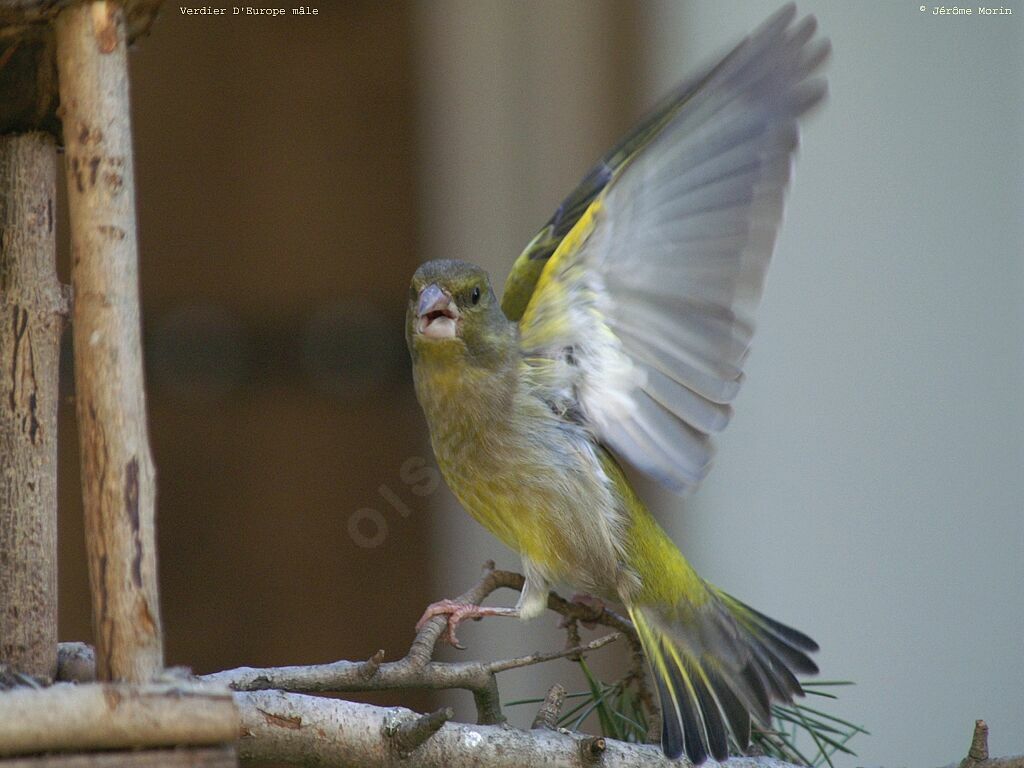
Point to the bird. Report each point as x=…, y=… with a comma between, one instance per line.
x=619, y=341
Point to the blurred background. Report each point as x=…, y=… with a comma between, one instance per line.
x=292, y=172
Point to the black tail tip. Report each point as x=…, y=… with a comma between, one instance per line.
x=673, y=746
x=673, y=751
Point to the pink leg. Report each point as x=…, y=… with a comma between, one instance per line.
x=456, y=613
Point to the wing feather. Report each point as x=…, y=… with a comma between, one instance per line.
x=648, y=299
x=527, y=269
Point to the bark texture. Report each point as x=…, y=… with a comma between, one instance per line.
x=114, y=716
x=31, y=317
x=312, y=731
x=117, y=469
x=15, y=15
x=28, y=71
x=183, y=757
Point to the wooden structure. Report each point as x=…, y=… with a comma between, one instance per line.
x=135, y=704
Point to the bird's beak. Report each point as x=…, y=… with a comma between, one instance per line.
x=438, y=317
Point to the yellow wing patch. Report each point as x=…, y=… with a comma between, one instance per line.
x=541, y=323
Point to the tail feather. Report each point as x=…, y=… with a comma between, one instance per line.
x=789, y=644
x=786, y=633
x=682, y=688
x=672, y=741
x=737, y=715
x=682, y=725
x=779, y=678
x=718, y=741
x=757, y=683
x=718, y=663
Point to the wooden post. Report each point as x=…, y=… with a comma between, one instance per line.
x=115, y=716
x=117, y=469
x=31, y=318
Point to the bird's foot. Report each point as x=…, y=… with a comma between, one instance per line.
x=458, y=612
x=595, y=604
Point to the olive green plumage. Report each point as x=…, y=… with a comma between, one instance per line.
x=621, y=337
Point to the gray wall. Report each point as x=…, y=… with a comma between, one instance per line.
x=870, y=487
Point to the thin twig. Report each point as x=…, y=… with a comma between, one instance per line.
x=551, y=708
x=539, y=658
x=978, y=752
x=409, y=733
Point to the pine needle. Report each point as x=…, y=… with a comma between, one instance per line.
x=622, y=716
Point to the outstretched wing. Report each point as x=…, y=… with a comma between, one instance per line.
x=527, y=269
x=641, y=318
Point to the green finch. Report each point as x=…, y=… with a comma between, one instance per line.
x=620, y=340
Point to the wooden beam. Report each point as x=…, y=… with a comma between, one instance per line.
x=67, y=717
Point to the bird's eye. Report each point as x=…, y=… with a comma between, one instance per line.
x=475, y=296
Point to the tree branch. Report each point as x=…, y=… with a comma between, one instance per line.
x=417, y=669
x=408, y=734
x=551, y=708
x=295, y=728
x=977, y=755
x=309, y=730
x=283, y=726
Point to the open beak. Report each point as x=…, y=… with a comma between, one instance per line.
x=438, y=317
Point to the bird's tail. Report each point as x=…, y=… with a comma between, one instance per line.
x=716, y=661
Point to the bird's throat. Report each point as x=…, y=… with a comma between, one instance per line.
x=460, y=400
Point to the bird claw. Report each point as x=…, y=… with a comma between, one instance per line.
x=457, y=613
